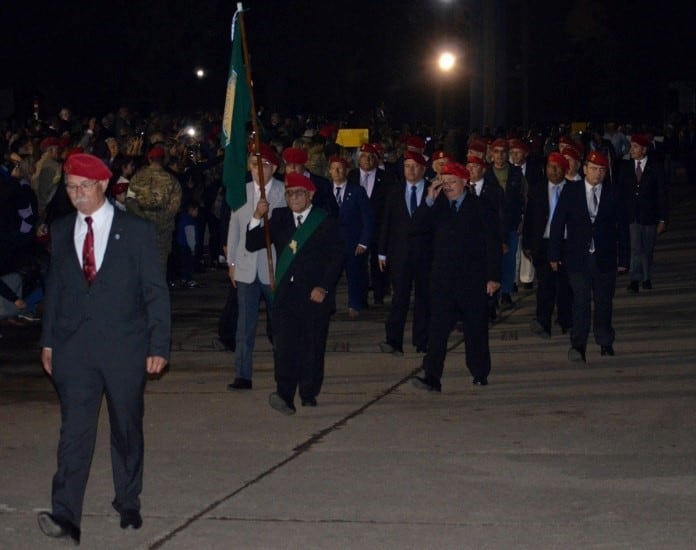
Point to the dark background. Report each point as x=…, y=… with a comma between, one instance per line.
x=581, y=59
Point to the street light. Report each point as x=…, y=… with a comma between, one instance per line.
x=446, y=62
x=200, y=73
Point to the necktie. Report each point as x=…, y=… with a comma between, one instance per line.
x=339, y=200
x=299, y=220
x=639, y=171
x=365, y=183
x=595, y=201
x=453, y=206
x=414, y=200
x=89, y=264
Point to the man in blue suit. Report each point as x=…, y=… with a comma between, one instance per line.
x=357, y=226
x=590, y=212
x=106, y=326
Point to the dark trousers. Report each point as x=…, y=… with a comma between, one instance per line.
x=592, y=285
x=187, y=263
x=379, y=280
x=80, y=391
x=407, y=276
x=553, y=289
x=471, y=306
x=357, y=278
x=300, y=330
x=642, y=246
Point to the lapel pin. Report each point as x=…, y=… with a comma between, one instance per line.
x=117, y=236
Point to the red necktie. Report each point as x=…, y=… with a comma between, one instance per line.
x=639, y=171
x=89, y=264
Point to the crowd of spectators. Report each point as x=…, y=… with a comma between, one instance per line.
x=32, y=190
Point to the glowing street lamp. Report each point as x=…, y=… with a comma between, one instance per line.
x=446, y=61
x=200, y=73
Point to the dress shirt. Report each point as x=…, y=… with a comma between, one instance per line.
x=553, y=202
x=367, y=180
x=589, y=195
x=477, y=186
x=420, y=186
x=101, y=227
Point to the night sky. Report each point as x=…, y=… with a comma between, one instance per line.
x=585, y=58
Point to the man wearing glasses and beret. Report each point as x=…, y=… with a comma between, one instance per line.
x=106, y=326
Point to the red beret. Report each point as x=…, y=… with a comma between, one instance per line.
x=378, y=147
x=295, y=155
x=420, y=159
x=500, y=142
x=87, y=166
x=438, y=155
x=121, y=186
x=49, y=142
x=157, y=152
x=478, y=146
x=559, y=159
x=415, y=142
x=475, y=160
x=595, y=157
x=298, y=180
x=267, y=153
x=368, y=148
x=456, y=169
x=571, y=152
x=518, y=144
x=328, y=130
x=641, y=139
x=336, y=158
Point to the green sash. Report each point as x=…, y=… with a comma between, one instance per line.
x=299, y=238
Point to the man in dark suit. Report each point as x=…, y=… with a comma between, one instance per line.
x=296, y=162
x=590, y=212
x=357, y=226
x=376, y=183
x=492, y=194
x=405, y=250
x=642, y=184
x=465, y=270
x=310, y=255
x=553, y=288
x=106, y=325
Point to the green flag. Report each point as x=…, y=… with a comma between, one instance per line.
x=234, y=121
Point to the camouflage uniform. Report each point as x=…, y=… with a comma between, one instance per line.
x=157, y=197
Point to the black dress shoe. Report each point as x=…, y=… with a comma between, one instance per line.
x=480, y=381
x=426, y=383
x=386, y=347
x=647, y=285
x=131, y=518
x=239, y=384
x=309, y=401
x=58, y=528
x=280, y=404
x=607, y=350
x=537, y=328
x=576, y=355
x=633, y=287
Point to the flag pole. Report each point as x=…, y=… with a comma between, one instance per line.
x=257, y=143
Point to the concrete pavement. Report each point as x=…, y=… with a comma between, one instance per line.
x=549, y=455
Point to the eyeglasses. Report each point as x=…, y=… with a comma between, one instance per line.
x=295, y=192
x=84, y=186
